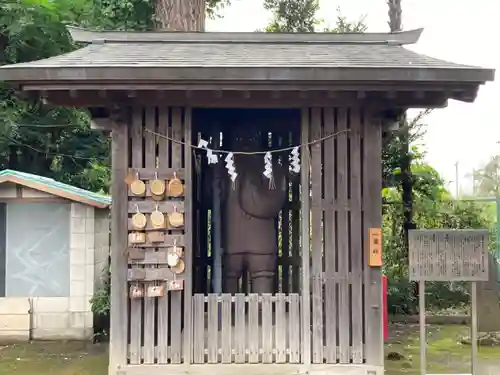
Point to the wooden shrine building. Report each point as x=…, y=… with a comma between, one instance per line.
x=173, y=307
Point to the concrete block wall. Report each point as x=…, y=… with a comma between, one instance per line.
x=71, y=317
x=14, y=319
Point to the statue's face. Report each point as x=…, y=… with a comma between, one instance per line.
x=247, y=140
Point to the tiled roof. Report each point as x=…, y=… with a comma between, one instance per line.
x=256, y=57
x=244, y=55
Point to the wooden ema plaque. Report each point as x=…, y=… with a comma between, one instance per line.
x=175, y=285
x=375, y=246
x=448, y=255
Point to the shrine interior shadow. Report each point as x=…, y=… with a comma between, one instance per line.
x=267, y=249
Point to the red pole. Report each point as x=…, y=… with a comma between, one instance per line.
x=385, y=312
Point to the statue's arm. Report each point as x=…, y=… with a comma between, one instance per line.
x=271, y=199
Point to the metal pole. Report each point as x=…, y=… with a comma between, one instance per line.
x=473, y=335
x=423, y=340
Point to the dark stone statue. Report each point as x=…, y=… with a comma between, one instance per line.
x=250, y=209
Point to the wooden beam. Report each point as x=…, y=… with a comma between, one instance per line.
x=119, y=242
x=253, y=86
x=248, y=369
x=255, y=99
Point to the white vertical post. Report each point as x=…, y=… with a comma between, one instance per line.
x=473, y=334
x=423, y=339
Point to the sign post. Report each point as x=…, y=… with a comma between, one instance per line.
x=448, y=255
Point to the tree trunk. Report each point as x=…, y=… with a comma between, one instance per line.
x=395, y=15
x=180, y=15
x=396, y=24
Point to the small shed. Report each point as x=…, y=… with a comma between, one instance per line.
x=54, y=247
x=315, y=303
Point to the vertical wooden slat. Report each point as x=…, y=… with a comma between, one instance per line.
x=163, y=143
x=330, y=240
x=296, y=273
x=136, y=303
x=343, y=236
x=162, y=346
x=372, y=218
x=281, y=328
x=163, y=163
x=305, y=236
x=253, y=328
x=149, y=331
x=356, y=238
x=149, y=303
x=213, y=328
x=240, y=328
x=188, y=235
x=294, y=328
x=199, y=329
x=119, y=218
x=295, y=217
x=317, y=240
x=226, y=333
x=267, y=328
x=176, y=297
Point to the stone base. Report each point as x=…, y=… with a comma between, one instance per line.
x=484, y=339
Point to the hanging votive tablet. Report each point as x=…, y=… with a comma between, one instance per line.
x=157, y=219
x=136, y=291
x=138, y=187
x=176, y=219
x=173, y=258
x=156, y=236
x=179, y=267
x=137, y=237
x=139, y=220
x=157, y=188
x=155, y=290
x=175, y=187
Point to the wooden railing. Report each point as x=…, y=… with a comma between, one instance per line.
x=246, y=328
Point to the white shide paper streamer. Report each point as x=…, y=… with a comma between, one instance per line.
x=295, y=160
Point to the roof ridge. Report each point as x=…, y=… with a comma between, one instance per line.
x=101, y=36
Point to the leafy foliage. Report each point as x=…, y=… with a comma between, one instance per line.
x=35, y=137
x=57, y=142
x=291, y=16
x=487, y=179
x=433, y=208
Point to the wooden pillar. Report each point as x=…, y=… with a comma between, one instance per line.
x=189, y=232
x=305, y=245
x=119, y=216
x=372, y=218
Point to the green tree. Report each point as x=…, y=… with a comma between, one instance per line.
x=50, y=141
x=433, y=208
x=36, y=137
x=299, y=16
x=289, y=16
x=487, y=179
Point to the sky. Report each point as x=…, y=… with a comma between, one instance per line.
x=462, y=31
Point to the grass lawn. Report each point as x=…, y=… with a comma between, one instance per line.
x=445, y=355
